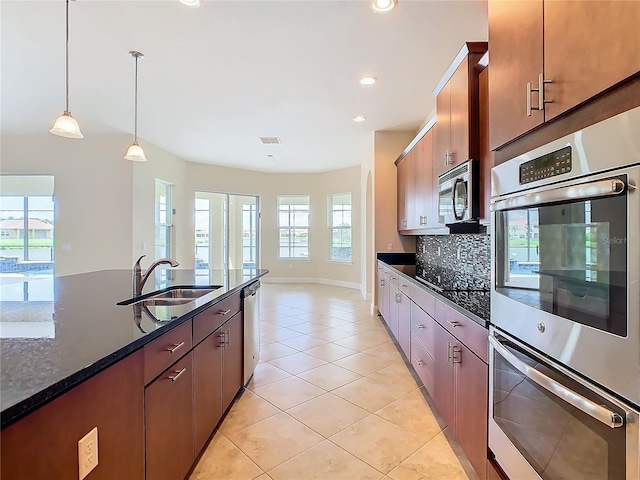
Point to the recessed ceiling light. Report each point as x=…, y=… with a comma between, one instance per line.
x=368, y=80
x=192, y=3
x=383, y=6
x=359, y=118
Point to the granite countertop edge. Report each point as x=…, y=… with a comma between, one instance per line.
x=479, y=320
x=16, y=412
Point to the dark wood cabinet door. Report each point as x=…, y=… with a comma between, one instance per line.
x=442, y=131
x=383, y=295
x=169, y=422
x=392, y=321
x=472, y=397
x=405, y=192
x=515, y=55
x=207, y=387
x=444, y=392
x=462, y=93
x=423, y=176
x=404, y=324
x=233, y=358
x=588, y=47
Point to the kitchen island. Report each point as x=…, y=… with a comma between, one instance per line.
x=73, y=359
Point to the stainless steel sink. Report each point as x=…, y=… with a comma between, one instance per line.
x=173, y=296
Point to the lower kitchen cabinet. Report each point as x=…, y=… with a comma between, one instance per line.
x=169, y=422
x=207, y=387
x=232, y=360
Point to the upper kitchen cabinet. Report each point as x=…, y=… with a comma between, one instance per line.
x=550, y=56
x=455, y=137
x=416, y=210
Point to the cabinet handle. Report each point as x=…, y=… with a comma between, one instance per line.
x=529, y=92
x=226, y=312
x=456, y=356
x=419, y=325
x=453, y=323
x=222, y=336
x=173, y=378
x=226, y=336
x=419, y=362
x=541, y=100
x=403, y=285
x=382, y=282
x=450, y=354
x=176, y=346
x=397, y=297
x=448, y=158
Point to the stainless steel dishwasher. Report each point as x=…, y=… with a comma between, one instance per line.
x=251, y=306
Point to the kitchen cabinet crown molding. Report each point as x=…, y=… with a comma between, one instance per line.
x=467, y=48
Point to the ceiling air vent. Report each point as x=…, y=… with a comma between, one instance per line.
x=270, y=140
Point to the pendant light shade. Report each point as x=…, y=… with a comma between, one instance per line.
x=135, y=152
x=65, y=125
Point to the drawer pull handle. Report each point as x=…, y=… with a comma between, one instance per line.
x=404, y=286
x=420, y=362
x=226, y=312
x=173, y=378
x=176, y=346
x=453, y=323
x=419, y=325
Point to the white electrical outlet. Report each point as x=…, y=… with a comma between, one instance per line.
x=88, y=453
x=389, y=247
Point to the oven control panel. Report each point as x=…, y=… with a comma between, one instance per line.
x=549, y=165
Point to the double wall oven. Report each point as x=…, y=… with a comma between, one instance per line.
x=565, y=307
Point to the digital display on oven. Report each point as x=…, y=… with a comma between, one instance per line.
x=550, y=165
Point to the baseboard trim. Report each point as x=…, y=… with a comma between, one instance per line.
x=324, y=281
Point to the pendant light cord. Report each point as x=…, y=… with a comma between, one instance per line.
x=135, y=108
x=66, y=111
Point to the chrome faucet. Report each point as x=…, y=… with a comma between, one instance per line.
x=139, y=280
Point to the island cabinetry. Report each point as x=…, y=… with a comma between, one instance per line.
x=548, y=57
x=169, y=422
x=44, y=444
x=232, y=359
x=456, y=133
x=165, y=350
x=382, y=292
x=206, y=322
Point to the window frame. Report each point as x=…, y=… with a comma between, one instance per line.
x=168, y=224
x=290, y=245
x=342, y=228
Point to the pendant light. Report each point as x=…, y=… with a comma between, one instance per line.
x=65, y=125
x=135, y=152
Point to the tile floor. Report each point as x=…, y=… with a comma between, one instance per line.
x=330, y=399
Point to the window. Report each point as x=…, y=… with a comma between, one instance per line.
x=340, y=225
x=163, y=219
x=293, y=226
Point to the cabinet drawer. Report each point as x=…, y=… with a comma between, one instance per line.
x=165, y=350
x=464, y=329
x=393, y=278
x=206, y=322
x=423, y=299
x=404, y=285
x=423, y=328
x=423, y=364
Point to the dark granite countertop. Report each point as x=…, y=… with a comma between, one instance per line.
x=57, y=332
x=473, y=303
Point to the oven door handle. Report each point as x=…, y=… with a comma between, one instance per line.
x=600, y=188
x=604, y=415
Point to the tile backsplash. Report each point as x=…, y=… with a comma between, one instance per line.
x=454, y=262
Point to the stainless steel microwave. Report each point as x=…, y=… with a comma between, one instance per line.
x=458, y=196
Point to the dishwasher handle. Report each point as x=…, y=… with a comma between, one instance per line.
x=251, y=290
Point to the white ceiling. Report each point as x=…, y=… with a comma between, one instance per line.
x=216, y=78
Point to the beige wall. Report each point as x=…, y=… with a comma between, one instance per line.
x=268, y=186
x=93, y=195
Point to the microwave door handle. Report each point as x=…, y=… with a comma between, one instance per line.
x=604, y=415
x=457, y=216
x=600, y=188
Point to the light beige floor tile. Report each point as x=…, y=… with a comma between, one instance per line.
x=248, y=409
x=328, y=414
x=387, y=352
x=222, y=460
x=363, y=340
x=286, y=322
x=380, y=443
x=330, y=352
x=266, y=373
x=303, y=342
x=265, y=341
x=264, y=476
x=274, y=350
x=308, y=327
x=281, y=334
x=288, y=392
x=329, y=376
x=274, y=440
x=413, y=413
x=368, y=394
x=297, y=362
x=330, y=334
x=324, y=461
x=396, y=375
x=434, y=461
x=362, y=363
